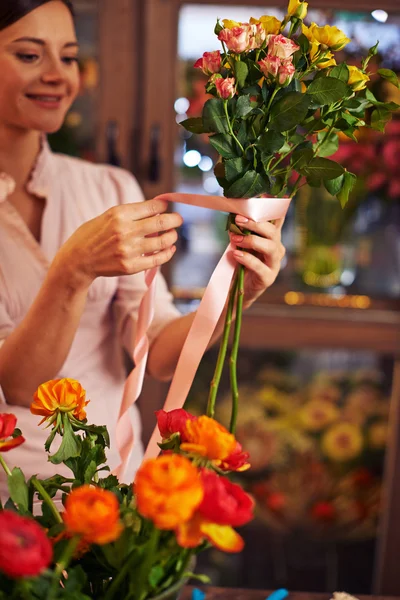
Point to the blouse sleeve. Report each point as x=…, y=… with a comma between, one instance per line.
x=131, y=288
x=6, y=327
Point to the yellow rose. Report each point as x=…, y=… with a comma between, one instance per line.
x=272, y=25
x=329, y=36
x=357, y=79
x=308, y=32
x=297, y=9
x=228, y=24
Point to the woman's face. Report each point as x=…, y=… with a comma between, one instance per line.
x=39, y=75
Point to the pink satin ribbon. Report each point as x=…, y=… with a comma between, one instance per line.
x=203, y=326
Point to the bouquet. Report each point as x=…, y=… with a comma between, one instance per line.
x=281, y=103
x=88, y=536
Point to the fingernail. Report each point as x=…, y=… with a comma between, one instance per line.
x=238, y=253
x=241, y=219
x=237, y=238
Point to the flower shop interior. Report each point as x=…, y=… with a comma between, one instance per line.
x=322, y=344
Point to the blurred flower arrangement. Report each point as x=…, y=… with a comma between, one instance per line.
x=89, y=536
x=317, y=452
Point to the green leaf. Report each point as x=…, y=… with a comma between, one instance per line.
x=156, y=575
x=50, y=439
x=18, y=489
x=214, y=117
x=333, y=186
x=303, y=43
x=70, y=445
x=379, y=119
x=225, y=145
x=194, y=125
x=330, y=145
x=301, y=158
x=389, y=76
x=322, y=169
x=243, y=106
x=241, y=72
x=76, y=580
x=271, y=141
x=252, y=184
x=340, y=72
x=289, y=111
x=327, y=90
x=218, y=27
x=235, y=167
x=349, y=180
x=199, y=576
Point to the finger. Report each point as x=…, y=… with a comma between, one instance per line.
x=158, y=224
x=142, y=263
x=266, y=229
x=158, y=243
x=256, y=243
x=140, y=210
x=253, y=263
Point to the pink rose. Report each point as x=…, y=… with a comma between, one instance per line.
x=257, y=36
x=270, y=65
x=280, y=46
x=209, y=63
x=225, y=87
x=237, y=39
x=286, y=72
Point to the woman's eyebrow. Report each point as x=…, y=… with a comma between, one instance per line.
x=43, y=43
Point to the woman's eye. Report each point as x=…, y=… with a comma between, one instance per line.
x=27, y=57
x=70, y=60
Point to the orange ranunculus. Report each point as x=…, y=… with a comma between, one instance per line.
x=7, y=427
x=195, y=531
x=168, y=490
x=59, y=396
x=210, y=439
x=93, y=513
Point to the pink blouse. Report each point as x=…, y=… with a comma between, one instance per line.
x=75, y=191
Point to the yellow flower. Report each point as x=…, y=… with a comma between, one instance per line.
x=329, y=36
x=307, y=31
x=272, y=25
x=357, y=79
x=297, y=9
x=342, y=442
x=229, y=24
x=60, y=396
x=207, y=437
x=322, y=60
x=317, y=414
x=378, y=434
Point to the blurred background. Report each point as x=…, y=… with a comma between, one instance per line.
x=320, y=358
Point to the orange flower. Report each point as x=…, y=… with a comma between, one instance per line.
x=168, y=490
x=207, y=437
x=223, y=537
x=59, y=396
x=93, y=513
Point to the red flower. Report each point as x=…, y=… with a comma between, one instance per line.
x=276, y=502
x=324, y=512
x=224, y=503
x=25, y=550
x=237, y=461
x=172, y=422
x=7, y=426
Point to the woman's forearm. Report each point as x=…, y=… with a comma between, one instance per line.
x=36, y=350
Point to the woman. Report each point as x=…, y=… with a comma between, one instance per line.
x=74, y=242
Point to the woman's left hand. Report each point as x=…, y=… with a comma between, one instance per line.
x=263, y=256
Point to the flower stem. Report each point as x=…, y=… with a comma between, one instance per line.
x=230, y=126
x=5, y=466
x=62, y=566
x=40, y=489
x=148, y=561
x=235, y=348
x=222, y=350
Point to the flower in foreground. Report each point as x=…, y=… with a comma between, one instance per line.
x=173, y=421
x=342, y=442
x=226, y=88
x=168, y=490
x=270, y=24
x=59, y=396
x=357, y=79
x=25, y=550
x=297, y=9
x=329, y=36
x=208, y=438
x=225, y=505
x=7, y=427
x=209, y=63
x=93, y=514
x=279, y=45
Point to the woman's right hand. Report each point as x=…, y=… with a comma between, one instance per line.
x=124, y=240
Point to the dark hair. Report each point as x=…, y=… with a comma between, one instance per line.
x=12, y=11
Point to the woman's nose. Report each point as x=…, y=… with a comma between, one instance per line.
x=53, y=73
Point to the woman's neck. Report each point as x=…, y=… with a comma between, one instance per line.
x=18, y=153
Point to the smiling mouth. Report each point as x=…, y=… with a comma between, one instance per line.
x=45, y=98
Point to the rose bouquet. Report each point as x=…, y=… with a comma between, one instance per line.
x=281, y=102
x=87, y=535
